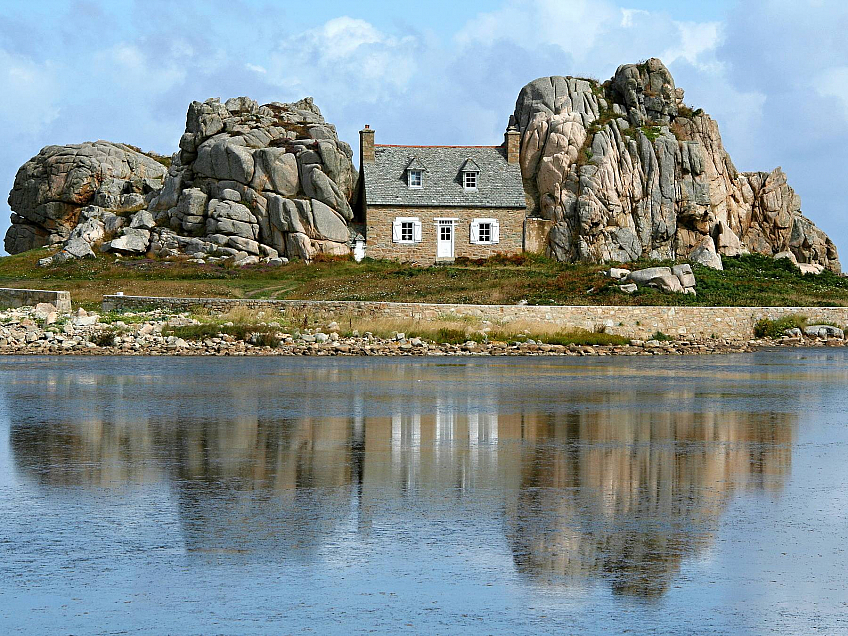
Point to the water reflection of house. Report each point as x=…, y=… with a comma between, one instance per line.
x=604, y=492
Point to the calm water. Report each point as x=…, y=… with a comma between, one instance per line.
x=273, y=495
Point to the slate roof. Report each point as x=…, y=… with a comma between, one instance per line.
x=470, y=166
x=499, y=184
x=416, y=164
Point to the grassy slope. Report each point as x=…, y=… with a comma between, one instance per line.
x=748, y=280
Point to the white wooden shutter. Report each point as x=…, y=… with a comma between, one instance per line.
x=396, y=231
x=496, y=231
x=475, y=232
x=416, y=231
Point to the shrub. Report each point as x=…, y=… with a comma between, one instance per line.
x=583, y=338
x=662, y=337
x=105, y=338
x=678, y=130
x=450, y=335
x=651, y=132
x=767, y=328
x=265, y=339
x=508, y=259
x=244, y=332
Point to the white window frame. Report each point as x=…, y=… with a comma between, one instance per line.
x=494, y=232
x=475, y=175
x=484, y=232
x=397, y=230
x=419, y=174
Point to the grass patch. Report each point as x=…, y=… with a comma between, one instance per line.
x=685, y=111
x=651, y=132
x=450, y=335
x=579, y=337
x=767, y=328
x=661, y=337
x=750, y=280
x=213, y=330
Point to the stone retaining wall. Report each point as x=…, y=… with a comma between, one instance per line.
x=31, y=297
x=734, y=323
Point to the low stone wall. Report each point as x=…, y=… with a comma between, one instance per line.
x=734, y=323
x=31, y=297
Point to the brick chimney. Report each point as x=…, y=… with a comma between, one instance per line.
x=366, y=144
x=512, y=141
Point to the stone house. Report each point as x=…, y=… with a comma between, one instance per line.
x=432, y=204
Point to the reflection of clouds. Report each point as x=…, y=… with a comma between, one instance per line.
x=620, y=483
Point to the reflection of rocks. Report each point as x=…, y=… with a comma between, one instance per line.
x=606, y=492
x=628, y=496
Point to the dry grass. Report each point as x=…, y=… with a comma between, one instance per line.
x=460, y=329
x=241, y=316
x=388, y=327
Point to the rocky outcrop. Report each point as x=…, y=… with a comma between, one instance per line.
x=53, y=188
x=627, y=171
x=265, y=180
x=248, y=182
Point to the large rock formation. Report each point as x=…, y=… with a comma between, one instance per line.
x=626, y=170
x=52, y=189
x=249, y=181
x=260, y=179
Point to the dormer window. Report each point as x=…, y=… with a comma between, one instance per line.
x=470, y=175
x=415, y=170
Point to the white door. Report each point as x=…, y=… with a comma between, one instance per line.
x=444, y=239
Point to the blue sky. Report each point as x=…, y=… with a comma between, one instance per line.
x=773, y=73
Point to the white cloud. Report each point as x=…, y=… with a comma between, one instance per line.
x=349, y=58
x=627, y=16
x=594, y=37
x=130, y=66
x=574, y=26
x=30, y=94
x=697, y=40
x=833, y=82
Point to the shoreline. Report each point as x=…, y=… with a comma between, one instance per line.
x=41, y=330
x=364, y=347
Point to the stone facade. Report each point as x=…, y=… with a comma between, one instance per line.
x=731, y=323
x=9, y=298
x=379, y=231
x=536, y=235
